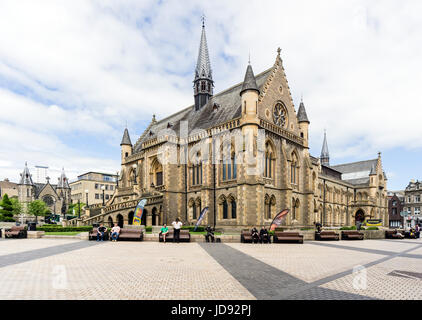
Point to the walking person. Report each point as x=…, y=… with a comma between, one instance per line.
x=115, y=232
x=176, y=229
x=164, y=232
x=100, y=232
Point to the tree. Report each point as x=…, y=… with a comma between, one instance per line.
x=6, y=209
x=16, y=206
x=77, y=210
x=37, y=208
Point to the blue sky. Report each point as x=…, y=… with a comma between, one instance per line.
x=73, y=72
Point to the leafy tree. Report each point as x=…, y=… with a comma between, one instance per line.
x=38, y=208
x=16, y=206
x=6, y=207
x=75, y=206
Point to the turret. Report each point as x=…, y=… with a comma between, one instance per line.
x=302, y=119
x=126, y=145
x=26, y=186
x=249, y=96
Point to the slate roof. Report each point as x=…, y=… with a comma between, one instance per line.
x=221, y=108
x=356, y=166
x=301, y=114
x=249, y=83
x=126, y=138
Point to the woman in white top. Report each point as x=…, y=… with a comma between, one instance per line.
x=176, y=229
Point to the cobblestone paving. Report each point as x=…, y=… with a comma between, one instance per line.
x=74, y=269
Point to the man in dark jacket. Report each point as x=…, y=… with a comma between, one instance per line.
x=100, y=232
x=255, y=235
x=264, y=237
x=210, y=234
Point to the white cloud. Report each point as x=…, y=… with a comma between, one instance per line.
x=101, y=63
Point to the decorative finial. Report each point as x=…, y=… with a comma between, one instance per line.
x=379, y=154
x=249, y=61
x=301, y=97
x=153, y=118
x=278, y=50
x=203, y=20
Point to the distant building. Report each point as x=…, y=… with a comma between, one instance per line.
x=92, y=182
x=395, y=206
x=56, y=196
x=413, y=203
x=9, y=188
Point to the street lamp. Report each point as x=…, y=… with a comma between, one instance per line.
x=86, y=192
x=103, y=188
x=134, y=166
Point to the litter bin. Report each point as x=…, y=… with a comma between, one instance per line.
x=32, y=226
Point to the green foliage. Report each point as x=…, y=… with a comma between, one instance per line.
x=372, y=228
x=306, y=229
x=64, y=229
x=37, y=208
x=16, y=206
x=6, y=207
x=190, y=228
x=148, y=229
x=351, y=228
x=75, y=206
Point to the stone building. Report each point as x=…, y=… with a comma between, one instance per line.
x=9, y=188
x=90, y=187
x=412, y=203
x=56, y=196
x=244, y=154
x=395, y=207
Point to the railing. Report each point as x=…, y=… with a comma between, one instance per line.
x=280, y=131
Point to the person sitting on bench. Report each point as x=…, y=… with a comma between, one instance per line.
x=164, y=232
x=255, y=235
x=210, y=234
x=264, y=237
x=318, y=227
x=100, y=232
x=115, y=232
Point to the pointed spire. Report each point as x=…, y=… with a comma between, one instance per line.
x=250, y=82
x=325, y=155
x=126, y=138
x=203, y=65
x=301, y=113
x=63, y=183
x=26, y=177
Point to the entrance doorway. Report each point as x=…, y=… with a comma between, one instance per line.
x=110, y=222
x=154, y=216
x=130, y=218
x=360, y=216
x=120, y=220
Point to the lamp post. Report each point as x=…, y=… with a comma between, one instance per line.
x=79, y=209
x=103, y=188
x=134, y=166
x=86, y=192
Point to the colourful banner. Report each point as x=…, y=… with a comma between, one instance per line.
x=201, y=216
x=137, y=217
x=278, y=219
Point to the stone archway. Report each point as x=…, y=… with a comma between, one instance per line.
x=120, y=220
x=360, y=216
x=130, y=217
x=154, y=216
x=110, y=222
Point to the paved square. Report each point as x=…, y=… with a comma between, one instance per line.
x=73, y=269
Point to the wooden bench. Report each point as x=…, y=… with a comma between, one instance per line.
x=16, y=232
x=351, y=235
x=246, y=236
x=327, y=235
x=280, y=237
x=93, y=234
x=392, y=234
x=184, y=236
x=130, y=234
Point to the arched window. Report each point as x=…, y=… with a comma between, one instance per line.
x=234, y=208
x=294, y=170
x=229, y=167
x=269, y=161
x=225, y=209
x=194, y=211
x=157, y=173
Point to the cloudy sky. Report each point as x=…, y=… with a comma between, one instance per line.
x=72, y=73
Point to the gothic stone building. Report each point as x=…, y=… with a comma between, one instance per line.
x=244, y=154
x=56, y=196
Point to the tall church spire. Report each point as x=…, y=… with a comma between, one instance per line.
x=26, y=176
x=203, y=83
x=325, y=155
